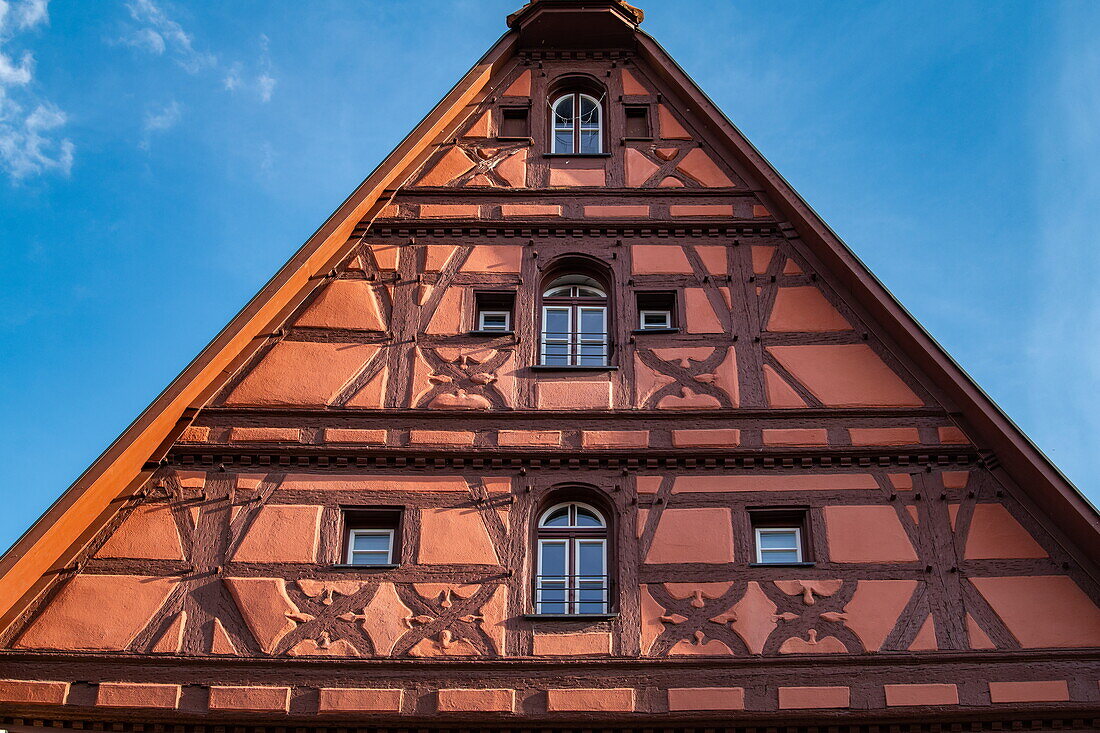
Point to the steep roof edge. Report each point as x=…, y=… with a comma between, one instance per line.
x=120, y=470
x=1027, y=466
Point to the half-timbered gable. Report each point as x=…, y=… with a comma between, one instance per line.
x=573, y=414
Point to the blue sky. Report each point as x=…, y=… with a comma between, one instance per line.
x=160, y=159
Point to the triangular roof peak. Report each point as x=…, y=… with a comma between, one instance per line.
x=576, y=24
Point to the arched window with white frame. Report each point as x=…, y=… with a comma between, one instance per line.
x=574, y=322
x=572, y=561
x=576, y=125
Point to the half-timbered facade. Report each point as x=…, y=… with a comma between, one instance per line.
x=573, y=416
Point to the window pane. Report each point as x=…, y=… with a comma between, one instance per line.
x=371, y=542
x=776, y=540
x=558, y=518
x=556, y=322
x=551, y=597
x=590, y=111
x=778, y=555
x=563, y=141
x=552, y=560
x=590, y=562
x=590, y=141
x=494, y=321
x=370, y=558
x=588, y=518
x=555, y=354
x=592, y=323
x=563, y=111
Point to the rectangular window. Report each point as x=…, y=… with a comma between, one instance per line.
x=780, y=536
x=372, y=537
x=656, y=311
x=637, y=122
x=494, y=311
x=513, y=123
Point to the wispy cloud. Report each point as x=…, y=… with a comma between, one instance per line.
x=156, y=33
x=159, y=119
x=29, y=125
x=261, y=81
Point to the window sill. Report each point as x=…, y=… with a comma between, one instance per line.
x=517, y=138
x=576, y=155
x=556, y=368
x=637, y=139
x=655, y=330
x=347, y=566
x=570, y=616
x=490, y=333
x=781, y=564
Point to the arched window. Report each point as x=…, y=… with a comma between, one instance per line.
x=576, y=124
x=571, y=577
x=574, y=322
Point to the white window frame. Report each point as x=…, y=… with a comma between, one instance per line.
x=642, y=325
x=353, y=533
x=583, y=340
x=775, y=530
x=575, y=125
x=507, y=320
x=566, y=338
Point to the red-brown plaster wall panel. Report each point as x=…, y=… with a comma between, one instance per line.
x=670, y=127
x=805, y=308
x=349, y=304
x=754, y=617
x=568, y=177
x=684, y=699
x=466, y=700
x=615, y=438
x=792, y=698
x=441, y=437
x=885, y=436
x=846, y=375
x=576, y=700
x=779, y=393
x=34, y=692
x=450, y=211
x=699, y=313
x=631, y=85
x=1032, y=691
x=521, y=87
x=304, y=373
x=702, y=168
x=772, y=482
x=540, y=438
x=693, y=535
x=921, y=694
x=448, y=316
x=875, y=607
x=858, y=534
x=639, y=168
x=355, y=435
x=796, y=436
x=450, y=166
x=282, y=533
x=725, y=210
x=530, y=210
x=265, y=435
x=249, y=698
x=615, y=211
x=706, y=438
x=138, y=695
x=995, y=533
x=658, y=259
x=925, y=640
x=359, y=700
x=149, y=532
x=1043, y=611
x=513, y=169
x=494, y=259
x=449, y=536
x=574, y=395
x=97, y=612
x=338, y=482
x=568, y=645
x=266, y=608
x=951, y=435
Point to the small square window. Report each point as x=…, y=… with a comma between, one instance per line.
x=494, y=311
x=513, y=123
x=494, y=321
x=655, y=320
x=372, y=537
x=656, y=311
x=781, y=536
x=779, y=545
x=637, y=123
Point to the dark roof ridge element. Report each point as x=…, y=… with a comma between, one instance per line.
x=576, y=24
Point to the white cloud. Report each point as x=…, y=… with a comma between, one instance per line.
x=266, y=84
x=159, y=120
x=261, y=82
x=29, y=141
x=158, y=34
